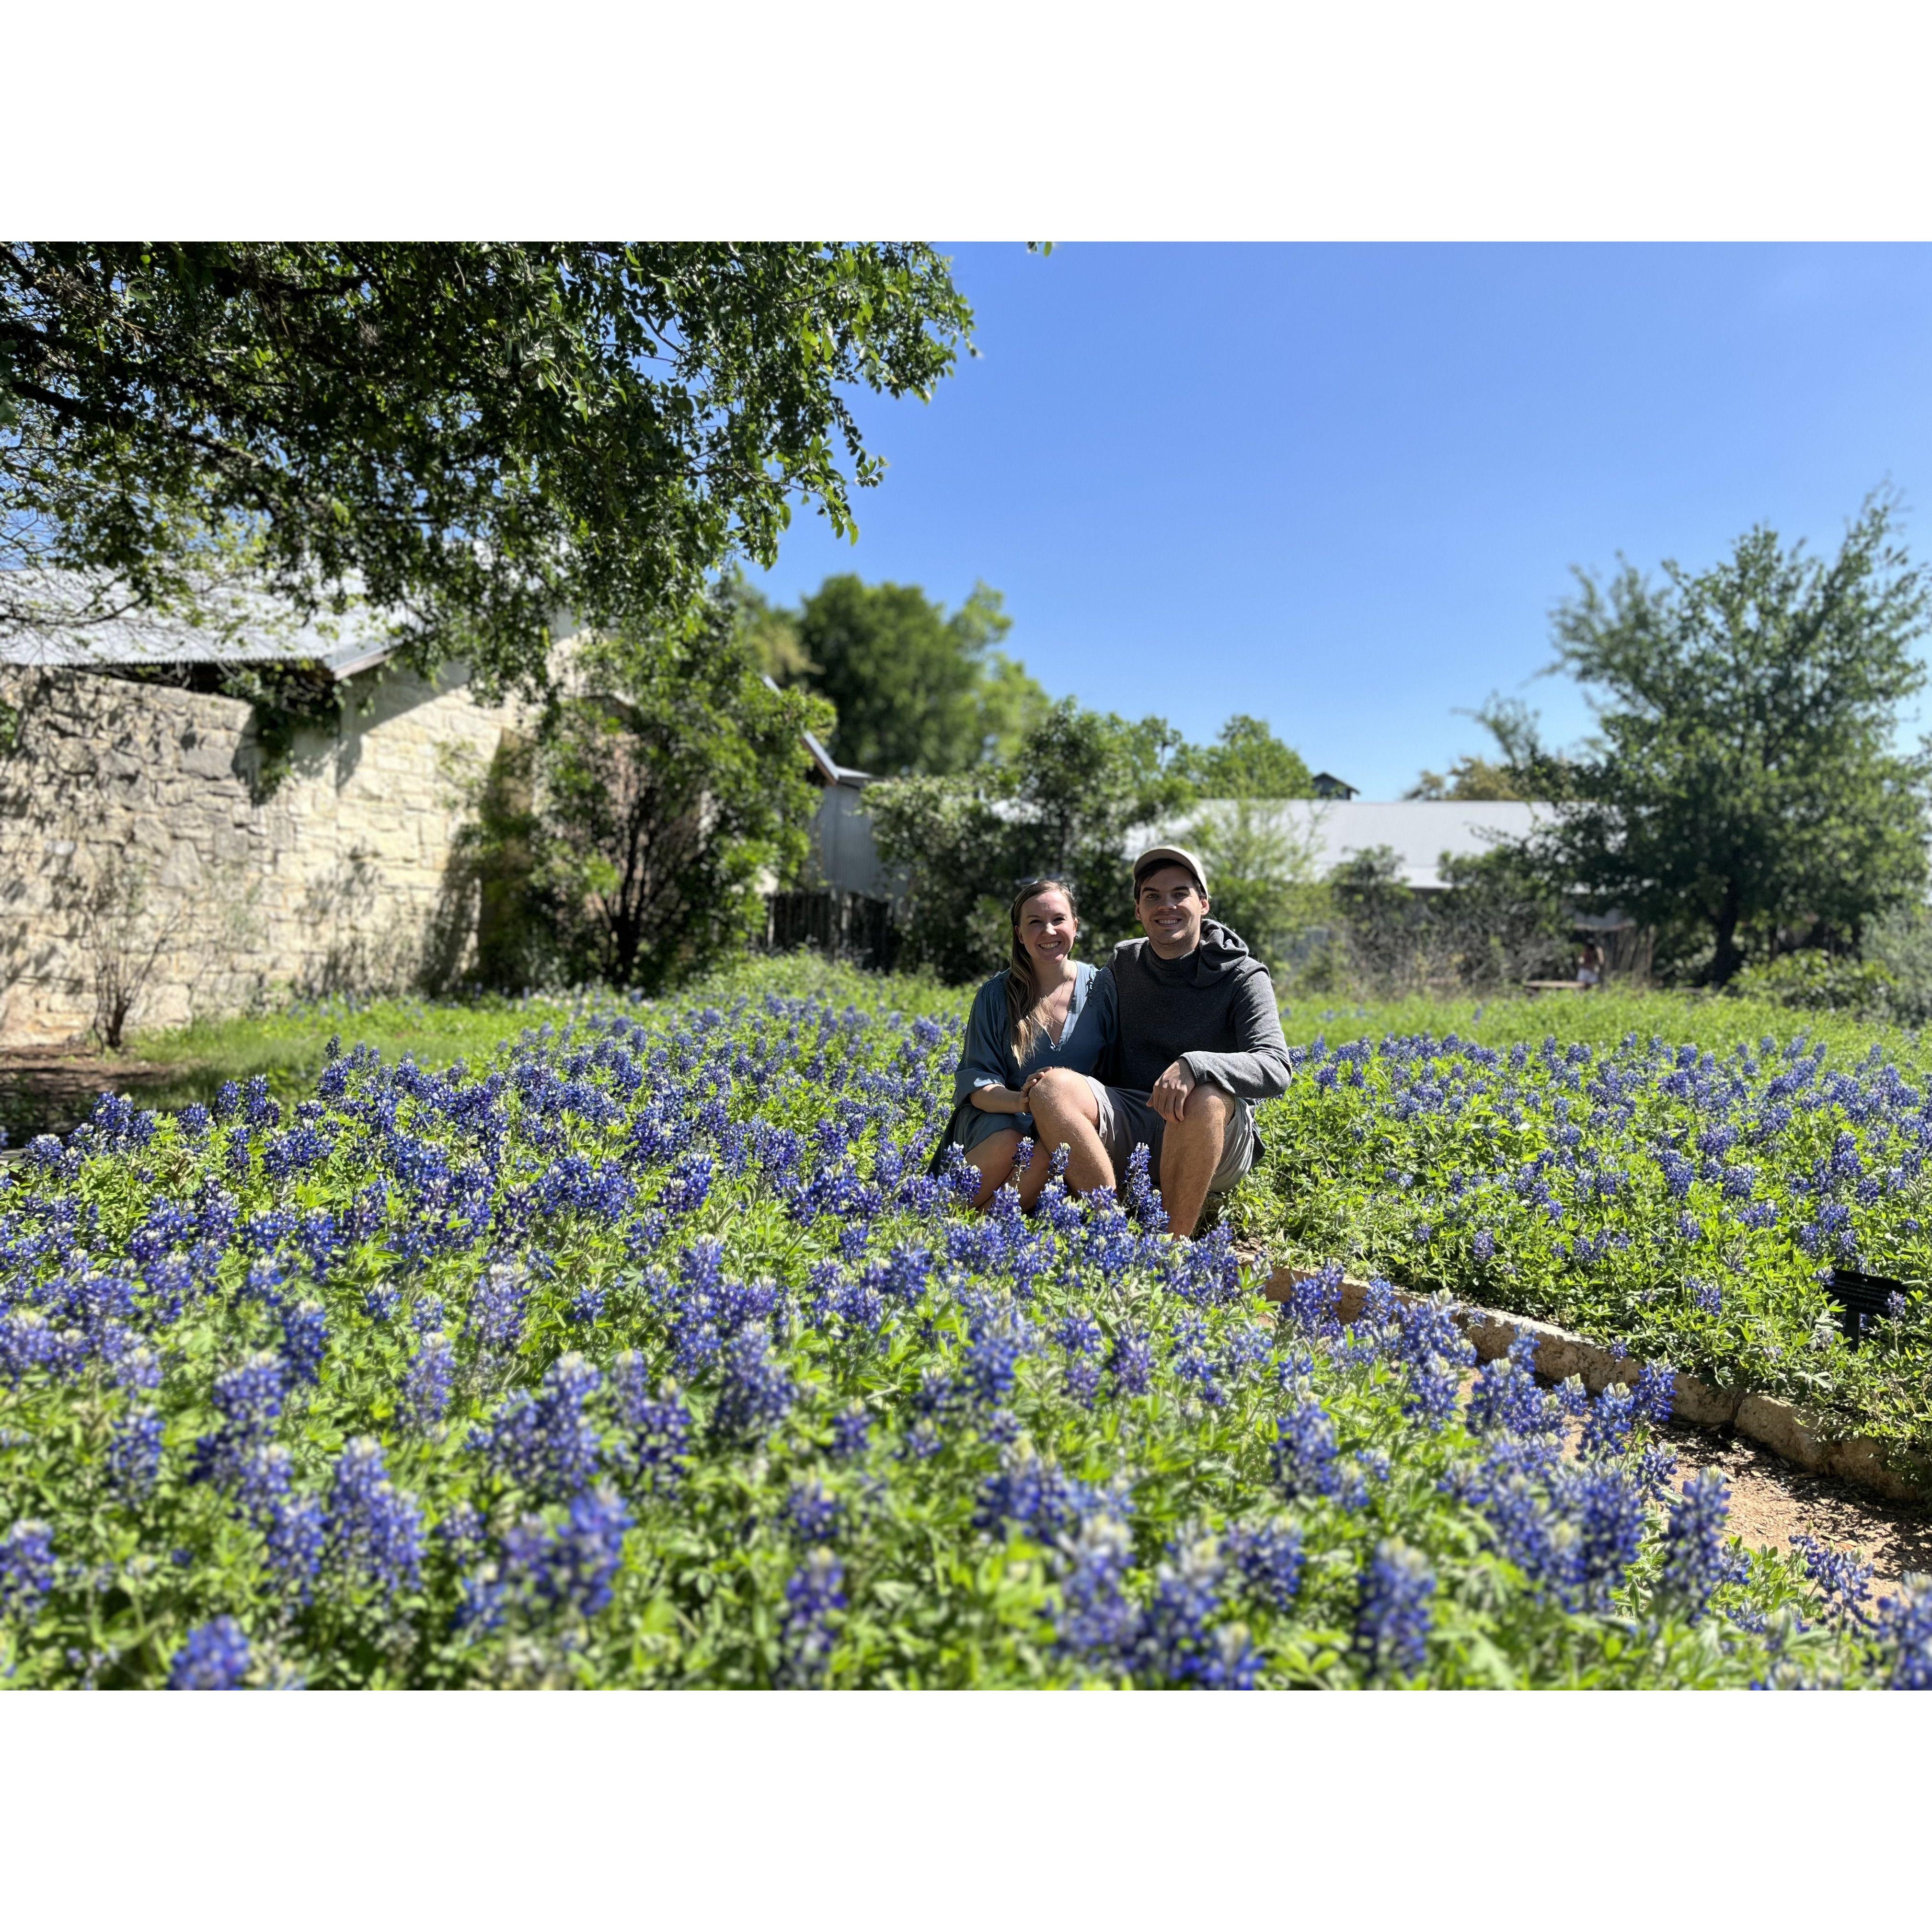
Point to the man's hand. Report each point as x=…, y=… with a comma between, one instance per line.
x=1169, y=1097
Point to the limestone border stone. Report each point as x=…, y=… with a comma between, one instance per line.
x=1770, y=1423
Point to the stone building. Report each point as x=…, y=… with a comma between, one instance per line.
x=148, y=857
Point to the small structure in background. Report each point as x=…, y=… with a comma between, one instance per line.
x=845, y=907
x=1328, y=786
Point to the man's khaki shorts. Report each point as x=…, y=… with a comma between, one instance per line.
x=1128, y=1121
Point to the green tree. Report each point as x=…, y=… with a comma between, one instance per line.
x=1746, y=777
x=1260, y=874
x=1523, y=767
x=916, y=690
x=1082, y=783
x=1246, y=760
x=667, y=786
x=476, y=436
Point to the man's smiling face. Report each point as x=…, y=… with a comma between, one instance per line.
x=1170, y=907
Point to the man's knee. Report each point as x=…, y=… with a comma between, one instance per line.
x=1209, y=1111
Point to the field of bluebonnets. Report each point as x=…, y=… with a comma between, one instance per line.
x=644, y=1350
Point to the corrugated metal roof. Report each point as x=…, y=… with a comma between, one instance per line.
x=1419, y=831
x=246, y=626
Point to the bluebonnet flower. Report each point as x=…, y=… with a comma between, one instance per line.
x=379, y=1300
x=1314, y=1303
x=1706, y=1296
x=304, y=1341
x=249, y=1399
x=26, y=1569
x=134, y=1454
x=1131, y=1361
x=497, y=1312
x=1177, y=1642
x=755, y=1393
x=215, y=1657
x=993, y=1355
x=813, y=1596
x=1036, y=1494
x=1098, y=1623
x=1306, y=1457
x=1394, y=1616
x=1905, y=1628
x=571, y=1567
x=1695, y=1560
x=1506, y=1396
x=851, y=1433
x=1268, y=1559
x=1841, y=1578
x=429, y=1381
x=656, y=1447
x=812, y=1514
x=543, y=1443
x=375, y=1534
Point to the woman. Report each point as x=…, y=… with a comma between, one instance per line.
x=1045, y=1010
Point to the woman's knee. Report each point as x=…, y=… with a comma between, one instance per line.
x=1062, y=1093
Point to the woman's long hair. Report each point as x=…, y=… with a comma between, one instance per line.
x=1022, y=994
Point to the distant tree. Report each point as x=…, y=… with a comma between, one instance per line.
x=916, y=690
x=1746, y=777
x=1523, y=767
x=473, y=435
x=1246, y=760
x=1262, y=872
x=1082, y=783
x=666, y=784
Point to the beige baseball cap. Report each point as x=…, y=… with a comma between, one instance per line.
x=1169, y=855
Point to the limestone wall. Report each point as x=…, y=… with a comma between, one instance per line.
x=132, y=824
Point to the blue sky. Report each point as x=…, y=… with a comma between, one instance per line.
x=1342, y=487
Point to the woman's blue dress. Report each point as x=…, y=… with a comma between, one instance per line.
x=987, y=1059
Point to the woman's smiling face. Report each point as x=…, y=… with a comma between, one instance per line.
x=1048, y=928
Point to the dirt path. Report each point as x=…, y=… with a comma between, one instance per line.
x=1771, y=1502
x=51, y=1089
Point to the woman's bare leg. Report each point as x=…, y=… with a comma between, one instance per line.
x=1065, y=1113
x=993, y=1160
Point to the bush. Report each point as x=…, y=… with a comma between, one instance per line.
x=1813, y=982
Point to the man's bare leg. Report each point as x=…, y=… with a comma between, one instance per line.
x=1190, y=1150
x=992, y=1159
x=1065, y=1113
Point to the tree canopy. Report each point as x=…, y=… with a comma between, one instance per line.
x=1081, y=783
x=475, y=436
x=916, y=690
x=1746, y=783
x=1246, y=760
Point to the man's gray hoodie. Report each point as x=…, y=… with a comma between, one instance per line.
x=1214, y=1011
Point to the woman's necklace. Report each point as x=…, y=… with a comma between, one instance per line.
x=1050, y=1011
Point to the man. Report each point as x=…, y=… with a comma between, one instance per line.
x=1200, y=1041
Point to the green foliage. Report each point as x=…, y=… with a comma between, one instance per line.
x=479, y=433
x=1816, y=981
x=1245, y=761
x=916, y=691
x=1081, y=782
x=667, y=783
x=944, y=1581
x=1402, y=1162
x=1745, y=780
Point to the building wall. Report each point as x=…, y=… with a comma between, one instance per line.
x=132, y=824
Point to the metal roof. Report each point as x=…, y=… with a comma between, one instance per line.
x=245, y=626
x=1420, y=831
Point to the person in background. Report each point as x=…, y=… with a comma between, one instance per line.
x=1044, y=1009
x=1198, y=1041
x=1590, y=965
